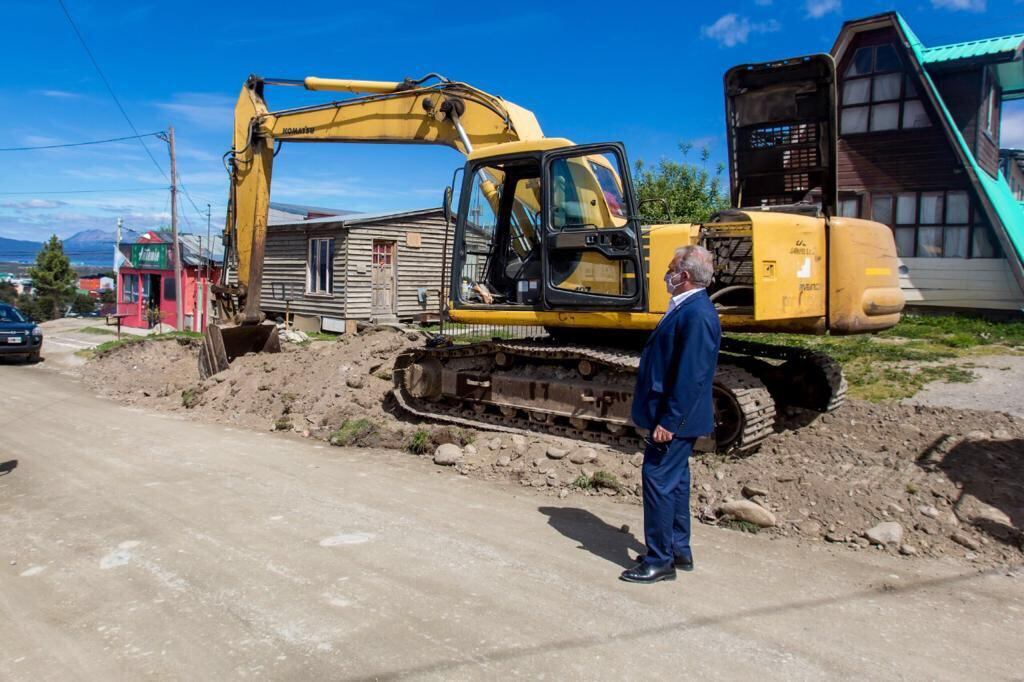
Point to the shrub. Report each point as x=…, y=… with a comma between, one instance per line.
x=605, y=479
x=357, y=432
x=420, y=443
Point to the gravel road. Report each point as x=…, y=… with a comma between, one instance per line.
x=142, y=545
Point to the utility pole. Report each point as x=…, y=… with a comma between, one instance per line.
x=179, y=318
x=117, y=251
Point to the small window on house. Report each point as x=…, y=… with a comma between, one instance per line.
x=170, y=291
x=849, y=207
x=881, y=208
x=983, y=243
x=320, y=267
x=129, y=288
x=990, y=105
x=877, y=95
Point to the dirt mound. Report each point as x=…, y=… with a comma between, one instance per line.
x=952, y=479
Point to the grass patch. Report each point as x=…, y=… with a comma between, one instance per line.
x=127, y=340
x=742, y=526
x=583, y=483
x=282, y=424
x=605, y=479
x=355, y=432
x=190, y=397
x=419, y=443
x=887, y=366
x=322, y=336
x=96, y=330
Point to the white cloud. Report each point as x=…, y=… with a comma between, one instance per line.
x=32, y=204
x=1011, y=130
x=819, y=8
x=960, y=5
x=202, y=109
x=61, y=94
x=731, y=30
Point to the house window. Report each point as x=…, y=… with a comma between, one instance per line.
x=320, y=267
x=990, y=104
x=849, y=207
x=877, y=95
x=129, y=288
x=934, y=224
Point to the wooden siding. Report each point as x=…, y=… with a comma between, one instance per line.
x=415, y=267
x=285, y=262
x=919, y=159
x=977, y=283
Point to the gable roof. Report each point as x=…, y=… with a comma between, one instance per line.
x=357, y=219
x=1005, y=214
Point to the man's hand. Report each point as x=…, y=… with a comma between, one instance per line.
x=661, y=435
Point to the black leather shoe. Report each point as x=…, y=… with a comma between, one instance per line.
x=645, y=573
x=682, y=563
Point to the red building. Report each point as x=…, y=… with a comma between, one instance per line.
x=146, y=288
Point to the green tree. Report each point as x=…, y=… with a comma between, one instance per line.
x=83, y=303
x=693, y=192
x=53, y=279
x=108, y=296
x=8, y=293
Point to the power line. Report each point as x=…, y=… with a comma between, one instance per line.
x=84, y=191
x=110, y=89
x=76, y=144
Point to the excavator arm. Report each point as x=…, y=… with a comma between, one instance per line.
x=431, y=110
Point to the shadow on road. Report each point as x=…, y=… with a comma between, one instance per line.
x=594, y=535
x=990, y=475
x=8, y=466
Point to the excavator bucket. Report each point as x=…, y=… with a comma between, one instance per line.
x=221, y=345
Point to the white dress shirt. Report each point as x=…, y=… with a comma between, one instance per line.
x=678, y=299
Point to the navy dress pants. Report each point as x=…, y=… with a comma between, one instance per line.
x=666, y=481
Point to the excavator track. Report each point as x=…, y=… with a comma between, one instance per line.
x=572, y=391
x=805, y=378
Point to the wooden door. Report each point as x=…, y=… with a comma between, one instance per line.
x=384, y=290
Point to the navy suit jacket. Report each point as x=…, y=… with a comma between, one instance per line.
x=677, y=368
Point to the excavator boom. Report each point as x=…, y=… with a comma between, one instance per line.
x=431, y=110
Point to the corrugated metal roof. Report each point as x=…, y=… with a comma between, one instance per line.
x=358, y=218
x=1003, y=46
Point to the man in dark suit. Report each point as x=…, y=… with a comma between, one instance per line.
x=672, y=400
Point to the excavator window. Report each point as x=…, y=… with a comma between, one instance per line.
x=587, y=194
x=500, y=249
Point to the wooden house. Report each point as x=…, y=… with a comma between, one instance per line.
x=382, y=268
x=919, y=151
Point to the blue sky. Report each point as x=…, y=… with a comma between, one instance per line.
x=648, y=74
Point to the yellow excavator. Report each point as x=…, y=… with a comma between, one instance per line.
x=545, y=233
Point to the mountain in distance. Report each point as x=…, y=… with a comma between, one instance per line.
x=88, y=247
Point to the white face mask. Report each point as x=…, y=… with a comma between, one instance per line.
x=672, y=280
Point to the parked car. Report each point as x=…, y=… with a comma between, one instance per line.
x=19, y=335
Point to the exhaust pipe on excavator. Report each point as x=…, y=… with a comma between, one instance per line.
x=221, y=345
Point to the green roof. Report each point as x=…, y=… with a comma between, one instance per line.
x=1003, y=46
x=1008, y=210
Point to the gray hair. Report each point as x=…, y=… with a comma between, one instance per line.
x=697, y=261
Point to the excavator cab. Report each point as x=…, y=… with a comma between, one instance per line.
x=547, y=226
